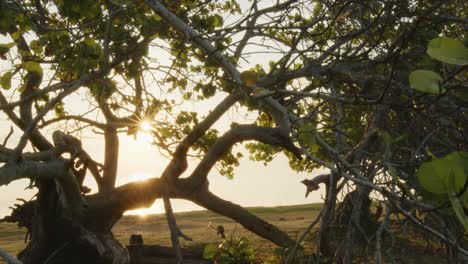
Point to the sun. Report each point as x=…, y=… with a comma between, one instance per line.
x=146, y=126
x=144, y=133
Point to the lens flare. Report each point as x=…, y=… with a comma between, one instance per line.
x=145, y=126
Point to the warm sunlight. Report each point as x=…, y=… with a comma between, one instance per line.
x=144, y=134
x=145, y=126
x=336, y=129
x=143, y=212
x=139, y=176
x=139, y=212
x=156, y=208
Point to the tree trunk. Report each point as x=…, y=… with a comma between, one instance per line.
x=345, y=209
x=56, y=238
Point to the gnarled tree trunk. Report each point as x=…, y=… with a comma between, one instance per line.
x=57, y=238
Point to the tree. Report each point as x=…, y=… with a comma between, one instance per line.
x=335, y=94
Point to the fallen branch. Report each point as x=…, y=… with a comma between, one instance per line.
x=9, y=258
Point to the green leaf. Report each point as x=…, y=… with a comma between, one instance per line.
x=456, y=202
x=5, y=47
x=217, y=21
x=434, y=176
x=431, y=177
x=36, y=46
x=33, y=67
x=426, y=81
x=90, y=49
x=243, y=243
x=448, y=50
x=210, y=251
x=307, y=134
x=459, y=169
x=5, y=80
x=165, y=132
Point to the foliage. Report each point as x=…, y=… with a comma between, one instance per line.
x=444, y=49
x=329, y=84
x=232, y=250
x=426, y=81
x=448, y=50
x=449, y=176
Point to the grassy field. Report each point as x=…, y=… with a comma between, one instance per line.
x=293, y=219
x=402, y=248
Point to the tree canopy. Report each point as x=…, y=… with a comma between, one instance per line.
x=373, y=91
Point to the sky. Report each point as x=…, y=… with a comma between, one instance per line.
x=253, y=185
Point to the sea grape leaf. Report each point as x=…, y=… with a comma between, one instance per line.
x=426, y=81
x=210, y=251
x=434, y=176
x=455, y=201
x=5, y=80
x=33, y=67
x=448, y=50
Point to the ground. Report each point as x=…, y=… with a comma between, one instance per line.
x=292, y=219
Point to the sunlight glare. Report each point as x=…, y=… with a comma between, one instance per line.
x=146, y=126
x=144, y=135
x=139, y=212
x=156, y=208
x=140, y=176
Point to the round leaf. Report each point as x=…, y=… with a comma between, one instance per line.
x=431, y=176
x=426, y=81
x=5, y=80
x=217, y=20
x=4, y=48
x=36, y=46
x=448, y=50
x=33, y=67
x=435, y=175
x=210, y=251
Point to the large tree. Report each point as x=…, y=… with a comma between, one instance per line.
x=325, y=81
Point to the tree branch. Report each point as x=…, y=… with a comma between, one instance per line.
x=266, y=135
x=55, y=170
x=251, y=222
